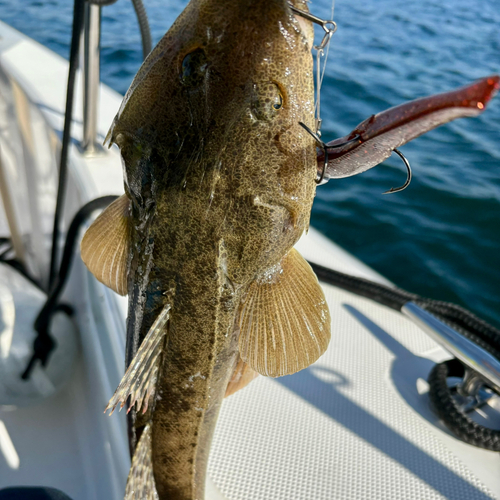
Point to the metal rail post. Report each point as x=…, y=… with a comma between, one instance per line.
x=91, y=78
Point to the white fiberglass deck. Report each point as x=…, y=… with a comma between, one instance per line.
x=355, y=425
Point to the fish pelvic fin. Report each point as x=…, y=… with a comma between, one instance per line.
x=139, y=381
x=242, y=376
x=105, y=246
x=284, y=319
x=141, y=482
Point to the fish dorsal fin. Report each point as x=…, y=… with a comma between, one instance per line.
x=139, y=381
x=242, y=376
x=284, y=319
x=105, y=246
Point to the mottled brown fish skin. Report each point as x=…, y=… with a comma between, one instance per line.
x=221, y=177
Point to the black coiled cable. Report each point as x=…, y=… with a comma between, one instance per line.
x=78, y=20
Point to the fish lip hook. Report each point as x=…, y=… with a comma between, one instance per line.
x=325, y=149
x=356, y=138
x=409, y=175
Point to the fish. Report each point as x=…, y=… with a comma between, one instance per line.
x=220, y=175
x=219, y=181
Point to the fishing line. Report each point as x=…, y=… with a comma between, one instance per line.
x=319, y=81
x=327, y=48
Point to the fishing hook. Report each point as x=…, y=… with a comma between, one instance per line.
x=408, y=178
x=325, y=147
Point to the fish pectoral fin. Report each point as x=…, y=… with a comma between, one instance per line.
x=284, y=319
x=242, y=376
x=140, y=481
x=105, y=246
x=139, y=381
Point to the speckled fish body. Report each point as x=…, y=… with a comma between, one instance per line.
x=221, y=180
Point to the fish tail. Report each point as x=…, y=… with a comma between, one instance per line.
x=140, y=482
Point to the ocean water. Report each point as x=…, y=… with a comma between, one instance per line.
x=441, y=236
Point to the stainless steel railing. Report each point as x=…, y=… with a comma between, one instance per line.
x=90, y=68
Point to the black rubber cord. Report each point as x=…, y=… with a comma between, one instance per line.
x=44, y=344
x=142, y=19
x=458, y=318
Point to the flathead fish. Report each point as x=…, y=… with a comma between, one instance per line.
x=219, y=183
x=220, y=175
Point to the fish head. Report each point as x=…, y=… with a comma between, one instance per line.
x=217, y=106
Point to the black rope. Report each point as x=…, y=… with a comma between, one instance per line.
x=78, y=15
x=451, y=414
x=44, y=344
x=459, y=318
x=7, y=247
x=15, y=264
x=467, y=324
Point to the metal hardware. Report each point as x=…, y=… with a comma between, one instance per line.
x=91, y=58
x=329, y=31
x=325, y=147
x=473, y=356
x=471, y=393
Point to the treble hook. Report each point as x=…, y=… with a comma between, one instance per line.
x=408, y=178
x=325, y=147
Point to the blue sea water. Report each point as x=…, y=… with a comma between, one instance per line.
x=440, y=237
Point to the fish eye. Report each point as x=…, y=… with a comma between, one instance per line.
x=278, y=105
x=268, y=100
x=194, y=68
